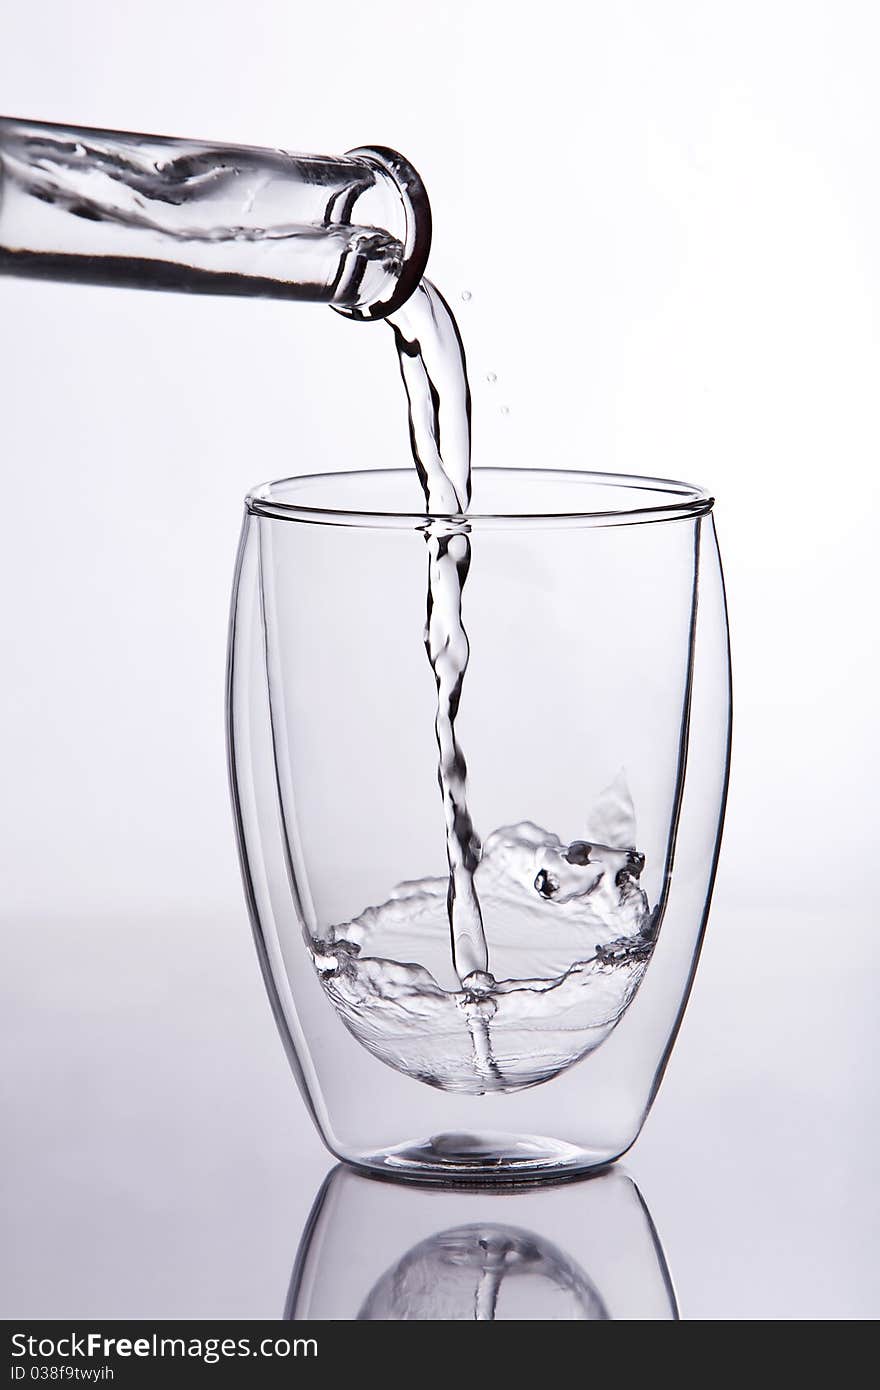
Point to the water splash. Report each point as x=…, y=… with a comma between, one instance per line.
x=572, y=933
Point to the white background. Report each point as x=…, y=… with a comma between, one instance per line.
x=668, y=219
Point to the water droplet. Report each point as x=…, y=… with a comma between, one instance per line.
x=466, y=295
x=491, y=377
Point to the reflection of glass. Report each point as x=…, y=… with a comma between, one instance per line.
x=594, y=717
x=584, y=1251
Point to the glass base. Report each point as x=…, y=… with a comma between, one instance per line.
x=482, y=1159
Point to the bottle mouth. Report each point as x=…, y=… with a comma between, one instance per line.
x=416, y=232
x=503, y=499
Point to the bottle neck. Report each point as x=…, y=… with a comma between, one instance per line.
x=151, y=212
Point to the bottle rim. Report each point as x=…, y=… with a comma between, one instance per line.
x=417, y=233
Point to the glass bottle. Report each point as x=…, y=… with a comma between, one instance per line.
x=152, y=212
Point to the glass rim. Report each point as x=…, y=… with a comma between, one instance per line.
x=683, y=500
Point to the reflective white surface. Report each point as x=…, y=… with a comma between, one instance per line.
x=157, y=1158
x=161, y=1164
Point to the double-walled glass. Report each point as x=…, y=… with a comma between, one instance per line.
x=595, y=723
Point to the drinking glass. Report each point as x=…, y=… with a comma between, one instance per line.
x=594, y=720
